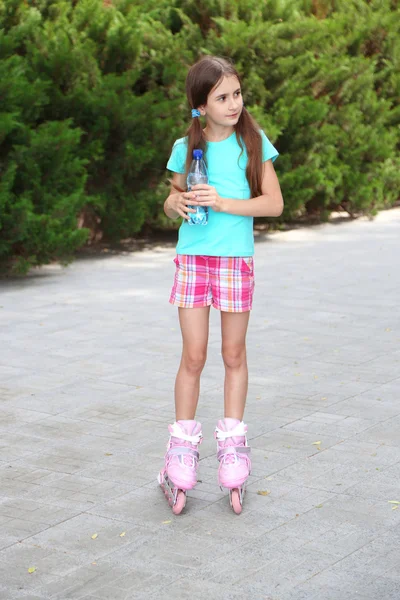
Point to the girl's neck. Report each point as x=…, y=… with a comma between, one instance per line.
x=217, y=134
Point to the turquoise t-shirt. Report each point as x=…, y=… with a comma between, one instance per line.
x=225, y=234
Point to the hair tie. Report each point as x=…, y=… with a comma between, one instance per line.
x=195, y=112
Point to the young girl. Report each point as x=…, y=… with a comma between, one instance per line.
x=214, y=266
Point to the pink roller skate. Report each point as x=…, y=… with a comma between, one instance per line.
x=181, y=460
x=234, y=458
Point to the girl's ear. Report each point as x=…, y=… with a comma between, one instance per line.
x=202, y=110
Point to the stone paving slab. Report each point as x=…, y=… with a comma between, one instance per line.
x=87, y=366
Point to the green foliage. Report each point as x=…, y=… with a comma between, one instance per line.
x=92, y=97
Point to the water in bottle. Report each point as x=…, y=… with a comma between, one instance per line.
x=197, y=174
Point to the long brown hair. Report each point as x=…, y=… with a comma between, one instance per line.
x=200, y=81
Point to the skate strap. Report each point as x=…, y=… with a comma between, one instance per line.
x=239, y=430
x=177, y=432
x=179, y=450
x=233, y=450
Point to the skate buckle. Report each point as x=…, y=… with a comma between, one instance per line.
x=233, y=450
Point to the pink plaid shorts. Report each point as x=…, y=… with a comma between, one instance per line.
x=225, y=282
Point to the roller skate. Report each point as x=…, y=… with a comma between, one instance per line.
x=234, y=458
x=181, y=461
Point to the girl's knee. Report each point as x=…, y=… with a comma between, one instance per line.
x=194, y=361
x=234, y=357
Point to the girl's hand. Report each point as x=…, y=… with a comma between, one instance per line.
x=206, y=195
x=180, y=203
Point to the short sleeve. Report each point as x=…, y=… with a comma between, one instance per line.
x=177, y=160
x=269, y=152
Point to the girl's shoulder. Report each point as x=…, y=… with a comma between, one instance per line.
x=269, y=152
x=177, y=159
x=180, y=142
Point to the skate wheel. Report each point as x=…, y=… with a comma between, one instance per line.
x=180, y=503
x=235, y=501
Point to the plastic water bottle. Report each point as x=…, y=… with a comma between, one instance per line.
x=197, y=174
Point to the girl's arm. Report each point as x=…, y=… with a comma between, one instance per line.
x=176, y=205
x=269, y=204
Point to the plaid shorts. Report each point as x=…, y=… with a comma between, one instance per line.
x=225, y=282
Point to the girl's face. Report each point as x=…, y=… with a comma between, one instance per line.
x=224, y=103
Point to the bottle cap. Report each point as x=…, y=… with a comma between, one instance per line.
x=197, y=153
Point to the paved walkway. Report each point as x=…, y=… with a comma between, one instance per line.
x=88, y=359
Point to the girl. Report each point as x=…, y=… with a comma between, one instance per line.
x=214, y=266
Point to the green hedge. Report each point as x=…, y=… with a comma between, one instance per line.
x=92, y=97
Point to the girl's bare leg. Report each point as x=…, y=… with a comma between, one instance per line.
x=234, y=329
x=194, y=324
